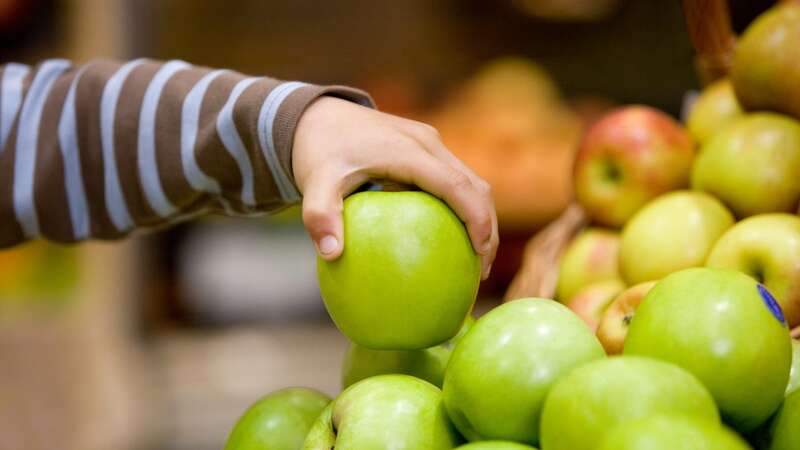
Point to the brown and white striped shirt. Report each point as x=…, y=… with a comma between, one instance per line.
x=98, y=150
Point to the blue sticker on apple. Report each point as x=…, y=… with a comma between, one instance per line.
x=771, y=303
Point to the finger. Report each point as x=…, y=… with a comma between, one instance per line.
x=454, y=187
x=322, y=215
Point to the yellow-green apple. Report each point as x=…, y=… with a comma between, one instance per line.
x=278, y=421
x=726, y=329
x=766, y=247
x=502, y=369
x=408, y=276
x=714, y=108
x=615, y=321
x=597, y=397
x=673, y=232
x=387, y=411
x=753, y=165
x=627, y=158
x=591, y=257
x=784, y=430
x=591, y=302
x=766, y=67
x=794, y=373
x=427, y=364
x=671, y=432
x=495, y=445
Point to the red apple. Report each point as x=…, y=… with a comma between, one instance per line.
x=591, y=302
x=614, y=324
x=627, y=158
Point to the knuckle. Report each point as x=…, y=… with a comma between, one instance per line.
x=460, y=181
x=425, y=131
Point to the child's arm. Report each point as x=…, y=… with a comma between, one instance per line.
x=98, y=150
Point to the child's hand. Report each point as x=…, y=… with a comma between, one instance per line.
x=340, y=145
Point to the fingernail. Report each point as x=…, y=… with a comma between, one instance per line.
x=328, y=245
x=486, y=272
x=486, y=247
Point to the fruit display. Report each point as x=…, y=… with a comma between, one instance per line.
x=674, y=289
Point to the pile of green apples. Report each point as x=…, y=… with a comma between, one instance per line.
x=671, y=323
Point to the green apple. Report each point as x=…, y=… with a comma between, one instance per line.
x=766, y=67
x=591, y=302
x=597, y=397
x=495, y=445
x=672, y=432
x=766, y=247
x=278, y=421
x=673, y=232
x=726, y=329
x=591, y=257
x=785, y=427
x=617, y=318
x=794, y=373
x=714, y=108
x=427, y=364
x=753, y=165
x=502, y=369
x=400, y=412
x=627, y=158
x=408, y=276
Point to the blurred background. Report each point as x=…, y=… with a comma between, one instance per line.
x=162, y=340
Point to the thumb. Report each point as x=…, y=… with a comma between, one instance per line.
x=322, y=217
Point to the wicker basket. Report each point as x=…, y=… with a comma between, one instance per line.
x=709, y=27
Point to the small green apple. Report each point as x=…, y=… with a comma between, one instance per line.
x=591, y=302
x=408, y=276
x=766, y=67
x=672, y=432
x=502, y=369
x=387, y=411
x=766, y=247
x=495, y=445
x=617, y=318
x=752, y=165
x=785, y=427
x=427, y=364
x=714, y=108
x=673, y=232
x=627, y=158
x=595, y=398
x=590, y=258
x=279, y=421
x=794, y=373
x=727, y=330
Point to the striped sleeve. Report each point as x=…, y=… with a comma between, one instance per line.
x=100, y=150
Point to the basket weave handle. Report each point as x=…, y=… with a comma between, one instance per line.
x=708, y=23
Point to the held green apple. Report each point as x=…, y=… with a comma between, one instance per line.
x=427, y=364
x=591, y=257
x=785, y=427
x=595, y=398
x=714, y=108
x=495, y=445
x=408, y=276
x=766, y=67
x=766, y=247
x=672, y=432
x=794, y=373
x=388, y=411
x=617, y=318
x=627, y=158
x=727, y=330
x=279, y=421
x=753, y=165
x=502, y=369
x=590, y=303
x=673, y=232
